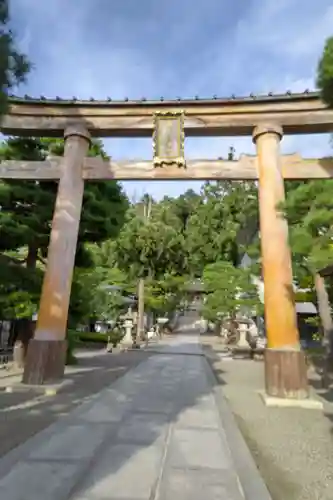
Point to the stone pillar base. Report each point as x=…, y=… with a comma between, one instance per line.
x=45, y=362
x=286, y=374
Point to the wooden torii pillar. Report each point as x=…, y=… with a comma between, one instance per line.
x=285, y=367
x=46, y=354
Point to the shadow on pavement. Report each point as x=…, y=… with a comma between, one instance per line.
x=90, y=376
x=126, y=429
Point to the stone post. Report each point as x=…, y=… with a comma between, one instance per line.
x=46, y=355
x=285, y=367
x=140, y=327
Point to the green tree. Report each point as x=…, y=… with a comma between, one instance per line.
x=94, y=297
x=14, y=65
x=181, y=208
x=220, y=227
x=162, y=297
x=229, y=292
x=309, y=211
x=25, y=222
x=27, y=206
x=151, y=250
x=19, y=289
x=325, y=73
x=150, y=247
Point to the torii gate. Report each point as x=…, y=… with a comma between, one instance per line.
x=265, y=118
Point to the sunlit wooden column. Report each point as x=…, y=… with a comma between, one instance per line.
x=47, y=351
x=285, y=367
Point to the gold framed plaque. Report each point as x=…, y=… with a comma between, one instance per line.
x=168, y=138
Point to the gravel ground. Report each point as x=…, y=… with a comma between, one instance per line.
x=24, y=414
x=293, y=448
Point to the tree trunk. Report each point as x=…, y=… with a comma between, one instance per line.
x=24, y=328
x=233, y=329
x=23, y=334
x=327, y=324
x=12, y=333
x=32, y=257
x=219, y=328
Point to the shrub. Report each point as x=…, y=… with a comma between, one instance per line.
x=114, y=337
x=72, y=342
x=92, y=337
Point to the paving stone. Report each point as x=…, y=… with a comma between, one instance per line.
x=199, y=485
x=198, y=448
x=106, y=412
x=74, y=442
x=144, y=428
x=124, y=471
x=153, y=403
x=134, y=416
x=201, y=398
x=195, y=417
x=120, y=396
x=39, y=481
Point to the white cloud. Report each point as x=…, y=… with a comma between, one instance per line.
x=291, y=28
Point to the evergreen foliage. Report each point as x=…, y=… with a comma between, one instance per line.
x=14, y=66
x=325, y=72
x=230, y=292
x=25, y=222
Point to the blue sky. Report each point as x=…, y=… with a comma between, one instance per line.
x=171, y=48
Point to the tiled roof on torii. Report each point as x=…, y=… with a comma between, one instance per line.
x=307, y=94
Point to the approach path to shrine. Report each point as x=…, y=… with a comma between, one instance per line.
x=159, y=432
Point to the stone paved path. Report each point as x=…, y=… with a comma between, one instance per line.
x=153, y=434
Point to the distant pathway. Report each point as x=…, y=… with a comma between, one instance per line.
x=155, y=433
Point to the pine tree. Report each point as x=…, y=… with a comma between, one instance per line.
x=229, y=292
x=325, y=73
x=220, y=227
x=309, y=211
x=14, y=65
x=25, y=224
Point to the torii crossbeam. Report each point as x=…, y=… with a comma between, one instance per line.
x=294, y=167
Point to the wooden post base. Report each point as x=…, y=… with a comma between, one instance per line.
x=45, y=362
x=286, y=374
